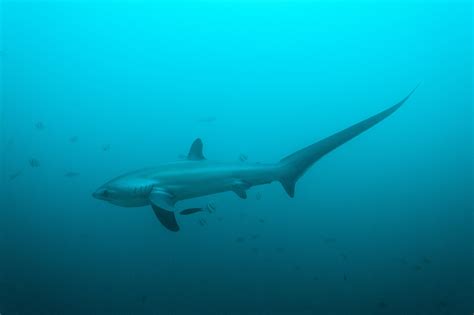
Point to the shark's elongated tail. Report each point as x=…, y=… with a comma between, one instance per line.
x=292, y=167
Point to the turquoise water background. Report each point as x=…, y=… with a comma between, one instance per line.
x=93, y=89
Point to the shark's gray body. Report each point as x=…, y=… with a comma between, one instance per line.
x=163, y=186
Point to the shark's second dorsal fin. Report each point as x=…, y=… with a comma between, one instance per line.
x=195, y=152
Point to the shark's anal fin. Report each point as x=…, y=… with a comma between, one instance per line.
x=240, y=188
x=163, y=206
x=195, y=152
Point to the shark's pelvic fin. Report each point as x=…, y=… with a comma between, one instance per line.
x=292, y=167
x=163, y=206
x=240, y=188
x=195, y=152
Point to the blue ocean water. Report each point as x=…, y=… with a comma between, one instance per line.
x=93, y=89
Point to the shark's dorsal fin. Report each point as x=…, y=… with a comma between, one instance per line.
x=195, y=152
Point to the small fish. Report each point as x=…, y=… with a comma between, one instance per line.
x=240, y=239
x=73, y=139
x=190, y=211
x=34, y=163
x=280, y=250
x=255, y=250
x=39, y=125
x=243, y=157
x=209, y=119
x=345, y=277
x=418, y=267
x=254, y=236
x=143, y=299
x=329, y=240
x=211, y=207
x=297, y=268
x=261, y=220
x=426, y=260
x=382, y=305
x=258, y=196
x=315, y=278
x=220, y=219
x=441, y=304
x=15, y=175
x=344, y=256
x=71, y=174
x=105, y=147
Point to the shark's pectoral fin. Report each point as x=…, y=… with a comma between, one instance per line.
x=163, y=206
x=167, y=218
x=240, y=188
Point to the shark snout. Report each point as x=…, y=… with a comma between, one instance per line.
x=100, y=193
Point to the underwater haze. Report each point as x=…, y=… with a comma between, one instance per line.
x=91, y=90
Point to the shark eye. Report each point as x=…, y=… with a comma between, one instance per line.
x=105, y=193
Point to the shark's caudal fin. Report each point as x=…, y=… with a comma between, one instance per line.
x=293, y=166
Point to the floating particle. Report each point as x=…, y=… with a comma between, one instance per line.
x=73, y=139
x=71, y=174
x=105, y=147
x=208, y=119
x=243, y=157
